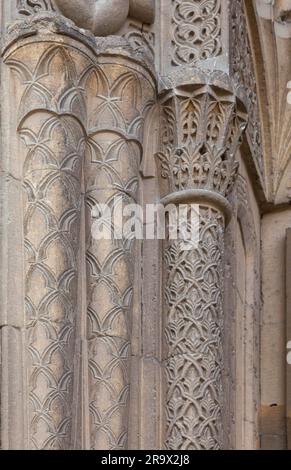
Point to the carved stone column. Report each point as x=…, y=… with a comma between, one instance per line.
x=72, y=99
x=120, y=95
x=51, y=116
x=202, y=123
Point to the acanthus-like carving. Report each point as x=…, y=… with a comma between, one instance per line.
x=196, y=30
x=242, y=68
x=200, y=153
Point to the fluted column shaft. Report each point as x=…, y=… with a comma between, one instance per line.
x=50, y=123
x=201, y=128
x=121, y=94
x=82, y=99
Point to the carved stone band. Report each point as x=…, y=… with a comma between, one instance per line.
x=201, y=197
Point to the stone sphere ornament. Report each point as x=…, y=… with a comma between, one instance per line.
x=105, y=17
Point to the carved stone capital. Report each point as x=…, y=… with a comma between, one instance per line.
x=201, y=127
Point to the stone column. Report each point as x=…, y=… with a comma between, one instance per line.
x=51, y=119
x=81, y=99
x=120, y=93
x=202, y=123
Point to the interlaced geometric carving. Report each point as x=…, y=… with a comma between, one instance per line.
x=193, y=331
x=196, y=30
x=242, y=69
x=31, y=7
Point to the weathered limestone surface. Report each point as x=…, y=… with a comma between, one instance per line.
x=273, y=330
x=242, y=330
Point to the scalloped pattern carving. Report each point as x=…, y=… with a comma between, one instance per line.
x=68, y=116
x=55, y=144
x=117, y=104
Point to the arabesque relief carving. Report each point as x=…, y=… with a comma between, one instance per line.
x=193, y=329
x=30, y=7
x=196, y=30
x=243, y=72
x=202, y=126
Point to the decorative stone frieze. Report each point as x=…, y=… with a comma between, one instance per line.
x=196, y=31
x=243, y=72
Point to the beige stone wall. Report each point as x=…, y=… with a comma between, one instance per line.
x=273, y=330
x=242, y=323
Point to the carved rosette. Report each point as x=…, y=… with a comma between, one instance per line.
x=201, y=131
x=120, y=96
